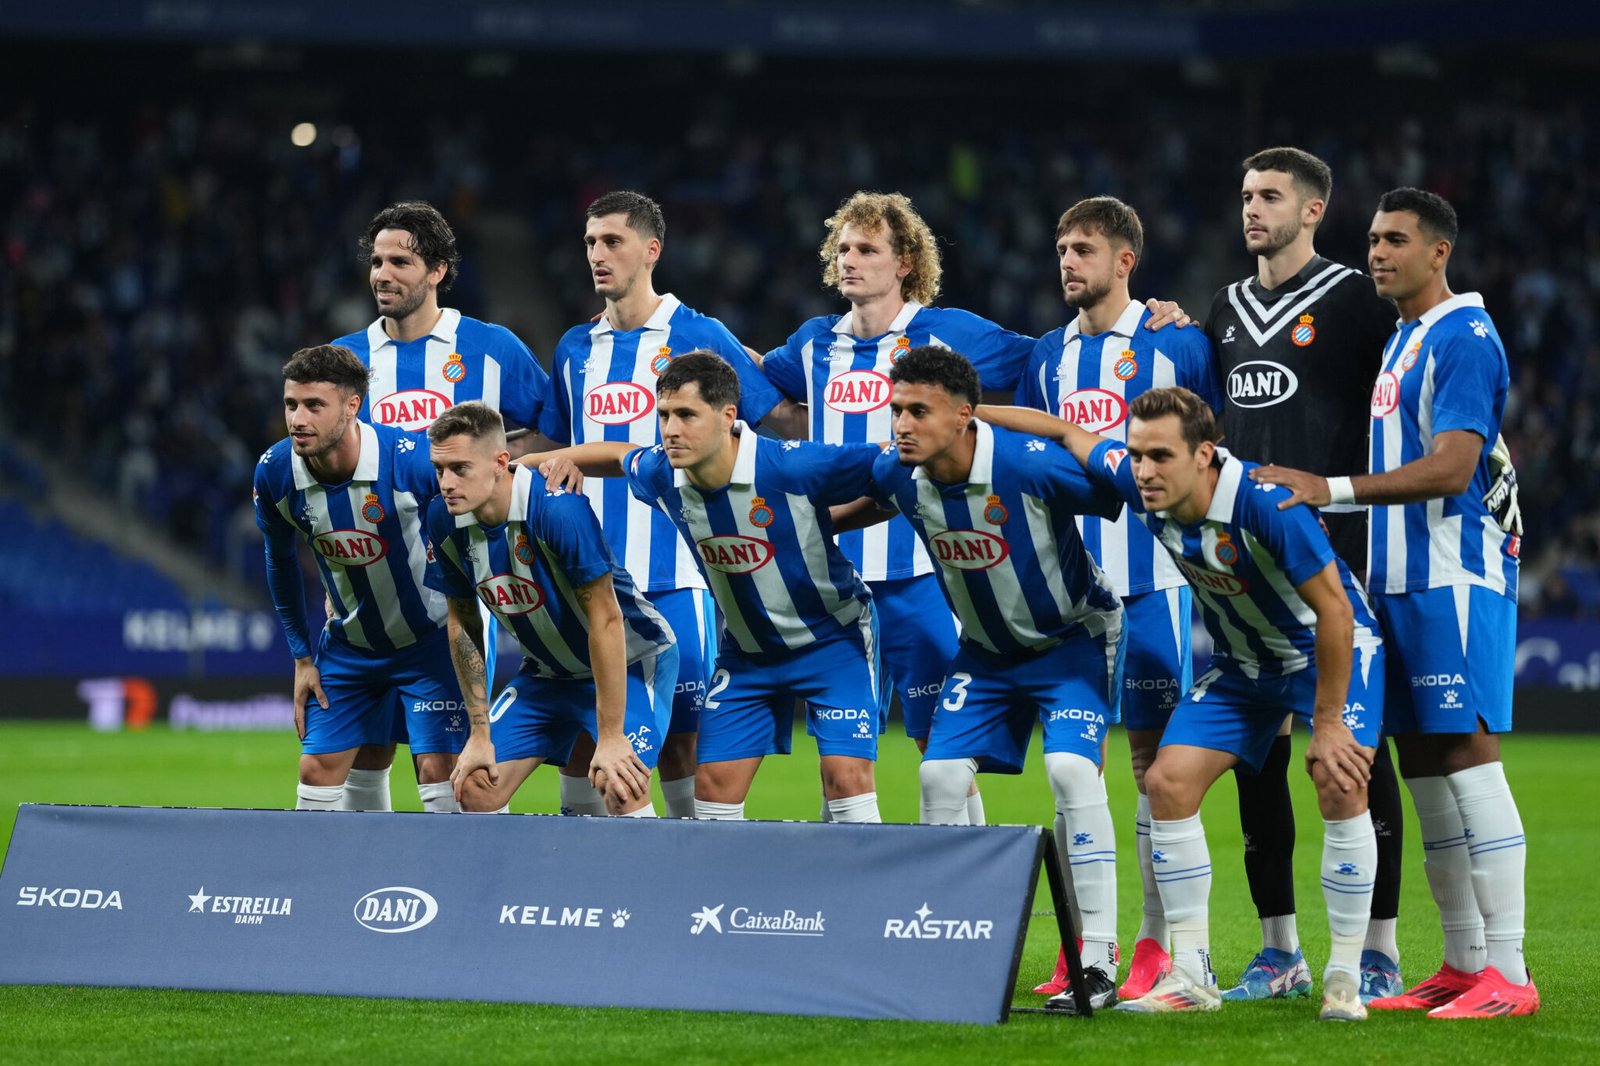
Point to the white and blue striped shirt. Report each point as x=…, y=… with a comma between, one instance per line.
x=1445, y=371
x=366, y=535
x=605, y=389
x=1011, y=562
x=845, y=381
x=460, y=359
x=1090, y=380
x=525, y=570
x=764, y=542
x=1245, y=559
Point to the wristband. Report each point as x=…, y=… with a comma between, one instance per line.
x=1340, y=490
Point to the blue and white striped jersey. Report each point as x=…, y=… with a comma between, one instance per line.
x=1244, y=559
x=1010, y=559
x=845, y=381
x=764, y=541
x=605, y=389
x=366, y=535
x=461, y=359
x=525, y=569
x=1090, y=380
x=1445, y=371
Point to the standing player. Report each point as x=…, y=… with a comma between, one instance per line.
x=599, y=658
x=1087, y=372
x=356, y=493
x=798, y=622
x=1040, y=625
x=1297, y=348
x=425, y=358
x=605, y=376
x=1444, y=582
x=1292, y=630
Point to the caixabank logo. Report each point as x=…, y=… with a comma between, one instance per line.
x=749, y=921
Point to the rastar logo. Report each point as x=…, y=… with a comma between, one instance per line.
x=968, y=549
x=411, y=409
x=855, y=392
x=1385, y=394
x=1261, y=383
x=83, y=899
x=396, y=909
x=617, y=403
x=926, y=927
x=1096, y=410
x=350, y=547
x=734, y=554
x=510, y=594
x=1211, y=581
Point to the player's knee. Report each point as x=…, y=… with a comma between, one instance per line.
x=478, y=794
x=1166, y=789
x=324, y=771
x=374, y=757
x=1075, y=781
x=846, y=777
x=434, y=767
x=946, y=781
x=1142, y=753
x=677, y=756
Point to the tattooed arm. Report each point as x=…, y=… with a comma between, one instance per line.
x=465, y=629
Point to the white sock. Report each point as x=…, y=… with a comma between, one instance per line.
x=1153, y=923
x=1449, y=871
x=1086, y=838
x=578, y=797
x=499, y=810
x=1182, y=865
x=1498, y=854
x=1281, y=932
x=862, y=808
x=825, y=815
x=366, y=790
x=945, y=784
x=1381, y=938
x=678, y=794
x=720, y=812
x=647, y=811
x=317, y=797
x=1349, y=864
x=438, y=798
x=975, y=809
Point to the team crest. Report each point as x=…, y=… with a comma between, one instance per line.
x=761, y=515
x=1227, y=554
x=1126, y=366
x=994, y=512
x=902, y=345
x=1409, y=360
x=662, y=358
x=523, y=550
x=454, y=370
x=1304, y=333
x=372, y=510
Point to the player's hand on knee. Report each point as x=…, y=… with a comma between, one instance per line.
x=1341, y=757
x=617, y=773
x=476, y=757
x=1166, y=313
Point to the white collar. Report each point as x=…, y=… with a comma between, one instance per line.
x=658, y=318
x=521, y=486
x=1455, y=303
x=366, y=461
x=982, y=458
x=744, y=462
x=847, y=323
x=444, y=330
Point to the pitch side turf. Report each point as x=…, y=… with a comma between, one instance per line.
x=1552, y=777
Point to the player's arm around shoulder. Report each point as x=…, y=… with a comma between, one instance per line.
x=1077, y=440
x=615, y=771
x=567, y=467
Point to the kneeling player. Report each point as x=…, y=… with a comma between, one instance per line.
x=1285, y=615
x=599, y=658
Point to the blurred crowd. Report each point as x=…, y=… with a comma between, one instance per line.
x=163, y=253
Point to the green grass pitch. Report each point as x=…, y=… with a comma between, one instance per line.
x=1551, y=776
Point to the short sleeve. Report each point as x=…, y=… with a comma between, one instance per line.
x=1469, y=376
x=1294, y=536
x=785, y=369
x=1109, y=466
x=444, y=573
x=567, y=525
x=644, y=469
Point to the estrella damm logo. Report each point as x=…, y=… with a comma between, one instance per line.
x=1126, y=366
x=902, y=345
x=1227, y=553
x=1304, y=333
x=663, y=356
x=454, y=370
x=994, y=512
x=372, y=510
x=761, y=515
x=523, y=550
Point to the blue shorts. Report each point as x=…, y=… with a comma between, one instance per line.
x=539, y=717
x=1226, y=711
x=692, y=615
x=990, y=702
x=1452, y=657
x=749, y=709
x=919, y=640
x=406, y=696
x=1158, y=666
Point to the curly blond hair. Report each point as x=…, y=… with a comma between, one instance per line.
x=910, y=238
